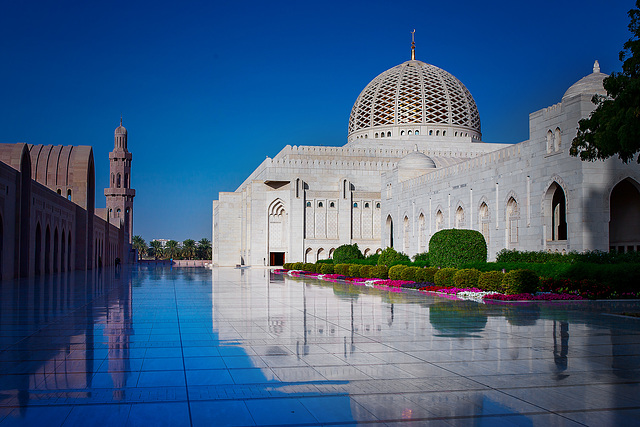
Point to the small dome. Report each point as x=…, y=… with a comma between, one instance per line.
x=121, y=130
x=416, y=161
x=588, y=85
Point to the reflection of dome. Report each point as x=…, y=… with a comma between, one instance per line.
x=588, y=85
x=416, y=161
x=414, y=93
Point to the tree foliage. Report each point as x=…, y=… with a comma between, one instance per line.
x=346, y=253
x=390, y=257
x=613, y=127
x=140, y=245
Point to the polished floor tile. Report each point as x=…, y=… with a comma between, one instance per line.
x=161, y=346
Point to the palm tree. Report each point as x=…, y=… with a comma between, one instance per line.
x=157, y=248
x=204, y=248
x=172, y=248
x=140, y=245
x=188, y=248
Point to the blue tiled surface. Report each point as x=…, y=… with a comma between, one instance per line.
x=155, y=346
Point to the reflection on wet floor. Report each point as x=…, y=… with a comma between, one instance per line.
x=155, y=345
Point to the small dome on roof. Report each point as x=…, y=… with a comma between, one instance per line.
x=588, y=85
x=416, y=161
x=121, y=130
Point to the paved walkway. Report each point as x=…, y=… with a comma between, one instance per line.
x=160, y=346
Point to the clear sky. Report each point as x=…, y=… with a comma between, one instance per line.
x=208, y=89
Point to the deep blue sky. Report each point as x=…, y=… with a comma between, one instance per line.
x=208, y=89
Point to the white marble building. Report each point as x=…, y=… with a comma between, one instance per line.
x=415, y=163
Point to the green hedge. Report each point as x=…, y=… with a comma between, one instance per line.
x=491, y=281
x=341, y=269
x=380, y=272
x=395, y=271
x=365, y=271
x=410, y=273
x=444, y=277
x=591, y=257
x=466, y=278
x=310, y=267
x=297, y=266
x=327, y=269
x=453, y=248
x=520, y=282
x=354, y=270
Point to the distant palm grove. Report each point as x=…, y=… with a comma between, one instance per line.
x=190, y=249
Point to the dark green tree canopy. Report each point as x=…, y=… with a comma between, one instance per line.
x=614, y=126
x=346, y=253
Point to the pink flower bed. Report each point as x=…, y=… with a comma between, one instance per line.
x=530, y=297
x=457, y=290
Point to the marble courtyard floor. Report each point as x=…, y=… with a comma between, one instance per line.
x=155, y=346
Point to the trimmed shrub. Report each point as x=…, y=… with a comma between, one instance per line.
x=297, y=265
x=310, y=267
x=453, y=247
x=444, y=277
x=390, y=257
x=342, y=269
x=354, y=270
x=491, y=281
x=466, y=278
x=380, y=272
x=395, y=271
x=429, y=273
x=286, y=266
x=324, y=261
x=327, y=268
x=410, y=273
x=365, y=271
x=346, y=253
x=520, y=282
x=373, y=259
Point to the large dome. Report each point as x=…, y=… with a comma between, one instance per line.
x=414, y=98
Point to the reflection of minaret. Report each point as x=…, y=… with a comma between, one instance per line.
x=560, y=355
x=120, y=194
x=118, y=330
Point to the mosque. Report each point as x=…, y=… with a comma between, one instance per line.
x=48, y=220
x=415, y=163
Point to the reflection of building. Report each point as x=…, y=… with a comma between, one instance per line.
x=48, y=219
x=414, y=163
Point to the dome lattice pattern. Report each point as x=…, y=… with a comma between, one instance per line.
x=414, y=93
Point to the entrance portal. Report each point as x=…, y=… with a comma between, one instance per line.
x=276, y=258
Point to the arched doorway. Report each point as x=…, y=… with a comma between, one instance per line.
x=483, y=212
x=56, y=240
x=459, y=217
x=421, y=233
x=624, y=222
x=405, y=235
x=47, y=251
x=439, y=220
x=63, y=248
x=277, y=232
x=38, y=250
x=555, y=212
x=69, y=252
x=512, y=216
x=390, y=230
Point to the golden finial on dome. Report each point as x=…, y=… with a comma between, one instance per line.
x=413, y=45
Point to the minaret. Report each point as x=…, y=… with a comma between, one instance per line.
x=120, y=194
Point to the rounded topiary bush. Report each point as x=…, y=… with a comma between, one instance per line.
x=327, y=268
x=395, y=271
x=491, y=281
x=452, y=248
x=346, y=253
x=310, y=267
x=365, y=271
x=390, y=257
x=444, y=277
x=520, y=282
x=342, y=269
x=466, y=278
x=380, y=272
x=286, y=266
x=410, y=273
x=354, y=270
x=297, y=266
